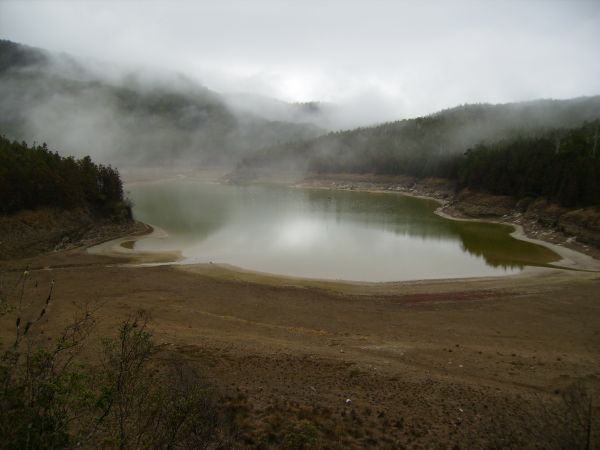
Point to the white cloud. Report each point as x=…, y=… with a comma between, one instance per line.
x=391, y=58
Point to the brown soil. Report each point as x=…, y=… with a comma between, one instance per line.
x=508, y=362
x=480, y=363
x=29, y=233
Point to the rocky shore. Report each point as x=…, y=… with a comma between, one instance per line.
x=500, y=362
x=577, y=229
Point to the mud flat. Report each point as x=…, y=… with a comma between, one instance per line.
x=124, y=247
x=500, y=362
x=473, y=363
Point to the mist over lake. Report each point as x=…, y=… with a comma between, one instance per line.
x=317, y=233
x=299, y=225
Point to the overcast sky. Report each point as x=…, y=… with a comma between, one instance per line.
x=402, y=57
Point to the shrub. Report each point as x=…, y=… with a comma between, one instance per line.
x=131, y=400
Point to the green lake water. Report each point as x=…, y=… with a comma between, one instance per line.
x=325, y=233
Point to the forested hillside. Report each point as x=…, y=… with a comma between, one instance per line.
x=545, y=147
x=425, y=146
x=521, y=149
x=127, y=119
x=562, y=165
x=33, y=177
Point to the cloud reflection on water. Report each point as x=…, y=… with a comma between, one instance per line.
x=325, y=234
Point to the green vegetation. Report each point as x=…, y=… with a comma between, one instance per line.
x=33, y=176
x=561, y=165
x=51, y=398
x=543, y=148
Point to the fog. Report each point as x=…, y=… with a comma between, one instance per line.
x=374, y=61
x=124, y=116
x=212, y=83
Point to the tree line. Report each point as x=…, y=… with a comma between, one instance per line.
x=561, y=165
x=33, y=177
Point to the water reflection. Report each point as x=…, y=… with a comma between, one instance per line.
x=325, y=234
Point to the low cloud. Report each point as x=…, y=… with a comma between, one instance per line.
x=385, y=59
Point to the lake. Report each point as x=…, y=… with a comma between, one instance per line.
x=315, y=233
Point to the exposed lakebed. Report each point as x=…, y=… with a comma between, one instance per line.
x=316, y=233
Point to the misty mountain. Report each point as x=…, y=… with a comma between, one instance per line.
x=273, y=109
x=424, y=146
x=365, y=110
x=328, y=116
x=126, y=120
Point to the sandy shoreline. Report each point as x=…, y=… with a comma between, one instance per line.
x=463, y=363
x=456, y=362
x=569, y=259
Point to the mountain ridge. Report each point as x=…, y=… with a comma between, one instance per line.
x=420, y=146
x=53, y=98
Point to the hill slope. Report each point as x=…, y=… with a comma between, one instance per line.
x=425, y=146
x=48, y=201
x=127, y=121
